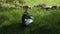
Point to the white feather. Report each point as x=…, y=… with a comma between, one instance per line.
x=28, y=21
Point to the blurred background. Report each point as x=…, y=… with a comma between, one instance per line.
x=45, y=21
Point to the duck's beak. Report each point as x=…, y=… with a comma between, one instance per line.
x=29, y=7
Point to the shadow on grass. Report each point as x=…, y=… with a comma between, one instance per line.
x=13, y=29
x=51, y=24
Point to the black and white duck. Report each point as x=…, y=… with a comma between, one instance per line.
x=26, y=17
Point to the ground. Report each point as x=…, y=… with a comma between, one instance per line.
x=45, y=21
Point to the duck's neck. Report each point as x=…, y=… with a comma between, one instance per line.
x=26, y=10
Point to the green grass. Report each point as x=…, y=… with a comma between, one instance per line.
x=9, y=16
x=48, y=2
x=45, y=21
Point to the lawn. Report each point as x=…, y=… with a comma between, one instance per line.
x=45, y=21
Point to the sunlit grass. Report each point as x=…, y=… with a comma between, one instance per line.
x=10, y=16
x=48, y=2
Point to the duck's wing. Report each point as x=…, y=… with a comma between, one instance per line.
x=28, y=21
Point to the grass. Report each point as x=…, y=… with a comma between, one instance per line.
x=45, y=21
x=48, y=2
x=10, y=16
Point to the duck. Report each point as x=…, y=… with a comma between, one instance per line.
x=26, y=17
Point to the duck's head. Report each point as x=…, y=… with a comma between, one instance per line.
x=26, y=7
